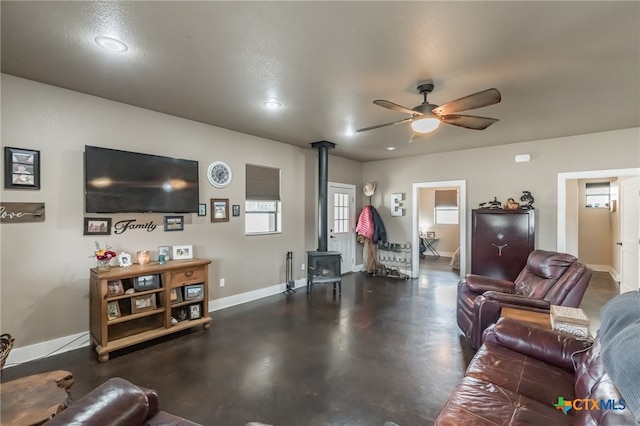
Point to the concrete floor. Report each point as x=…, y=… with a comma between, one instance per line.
x=387, y=350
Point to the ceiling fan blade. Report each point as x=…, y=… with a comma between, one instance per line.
x=395, y=107
x=476, y=100
x=364, y=129
x=468, y=121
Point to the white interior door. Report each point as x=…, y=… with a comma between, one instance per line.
x=342, y=223
x=630, y=234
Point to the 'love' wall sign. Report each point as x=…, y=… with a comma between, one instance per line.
x=21, y=212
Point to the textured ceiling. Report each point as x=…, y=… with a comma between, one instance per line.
x=563, y=68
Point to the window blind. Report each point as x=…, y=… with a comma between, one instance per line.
x=446, y=198
x=262, y=183
x=597, y=188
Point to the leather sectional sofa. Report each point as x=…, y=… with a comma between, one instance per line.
x=118, y=402
x=525, y=375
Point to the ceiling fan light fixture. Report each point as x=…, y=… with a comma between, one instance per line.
x=425, y=125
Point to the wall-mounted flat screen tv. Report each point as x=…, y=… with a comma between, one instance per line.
x=129, y=182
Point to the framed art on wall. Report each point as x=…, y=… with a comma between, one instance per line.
x=174, y=223
x=219, y=210
x=21, y=168
x=97, y=226
x=202, y=209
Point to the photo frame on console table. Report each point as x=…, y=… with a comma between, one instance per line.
x=21, y=168
x=145, y=302
x=182, y=252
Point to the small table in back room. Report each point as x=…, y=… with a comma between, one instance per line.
x=430, y=244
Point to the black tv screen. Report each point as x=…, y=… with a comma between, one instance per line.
x=128, y=182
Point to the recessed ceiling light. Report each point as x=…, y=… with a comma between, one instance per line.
x=391, y=148
x=271, y=104
x=111, y=44
x=350, y=132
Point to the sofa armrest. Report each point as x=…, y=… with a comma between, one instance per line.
x=115, y=402
x=480, y=284
x=536, y=342
x=517, y=300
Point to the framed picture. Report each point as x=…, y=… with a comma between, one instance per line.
x=174, y=223
x=194, y=312
x=165, y=251
x=114, y=288
x=97, y=226
x=143, y=303
x=146, y=282
x=21, y=168
x=431, y=234
x=113, y=310
x=219, y=210
x=202, y=209
x=235, y=210
x=180, y=314
x=182, y=252
x=192, y=292
x=175, y=295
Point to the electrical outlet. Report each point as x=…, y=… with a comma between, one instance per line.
x=302, y=269
x=221, y=282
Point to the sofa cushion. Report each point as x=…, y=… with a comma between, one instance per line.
x=521, y=374
x=481, y=403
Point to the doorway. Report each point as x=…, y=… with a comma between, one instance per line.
x=569, y=233
x=428, y=189
x=341, y=219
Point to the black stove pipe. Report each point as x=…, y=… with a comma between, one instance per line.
x=323, y=148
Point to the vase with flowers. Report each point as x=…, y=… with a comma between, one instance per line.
x=103, y=257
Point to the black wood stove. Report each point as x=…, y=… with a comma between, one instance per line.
x=323, y=266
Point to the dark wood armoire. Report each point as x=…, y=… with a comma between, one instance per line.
x=501, y=241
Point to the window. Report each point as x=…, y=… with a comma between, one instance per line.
x=446, y=207
x=598, y=194
x=340, y=212
x=262, y=200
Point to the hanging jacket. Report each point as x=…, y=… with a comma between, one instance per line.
x=379, y=231
x=365, y=225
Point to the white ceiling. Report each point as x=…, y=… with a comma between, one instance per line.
x=563, y=68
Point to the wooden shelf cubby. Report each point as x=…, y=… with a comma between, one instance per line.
x=129, y=328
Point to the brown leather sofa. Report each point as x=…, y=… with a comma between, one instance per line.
x=117, y=402
x=520, y=372
x=549, y=278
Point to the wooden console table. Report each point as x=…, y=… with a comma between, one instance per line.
x=34, y=399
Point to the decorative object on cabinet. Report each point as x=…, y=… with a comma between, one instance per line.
x=219, y=210
x=235, y=210
x=146, y=282
x=97, y=226
x=145, y=302
x=115, y=288
x=21, y=168
x=194, y=312
x=174, y=223
x=143, y=257
x=192, y=292
x=176, y=295
x=501, y=241
x=124, y=260
x=182, y=252
x=164, y=251
x=511, y=204
x=21, y=212
x=113, y=310
x=147, y=323
x=202, y=209
x=219, y=174
x=527, y=199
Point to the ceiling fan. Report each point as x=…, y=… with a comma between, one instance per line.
x=427, y=117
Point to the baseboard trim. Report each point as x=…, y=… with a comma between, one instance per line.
x=600, y=268
x=60, y=345
x=47, y=348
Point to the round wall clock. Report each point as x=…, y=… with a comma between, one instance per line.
x=219, y=174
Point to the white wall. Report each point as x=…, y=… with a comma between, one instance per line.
x=45, y=266
x=491, y=172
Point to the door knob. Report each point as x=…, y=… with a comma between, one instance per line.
x=619, y=243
